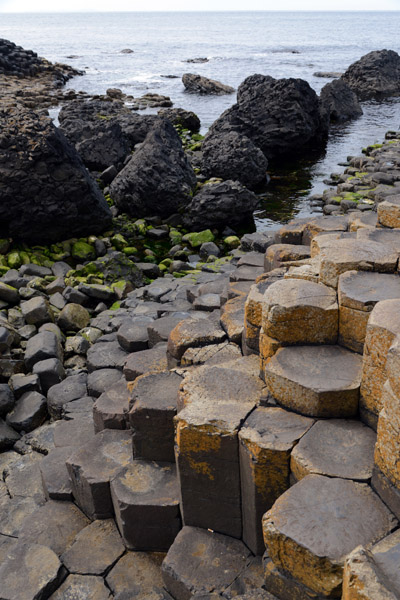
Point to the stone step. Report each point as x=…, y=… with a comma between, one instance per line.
x=110, y=410
x=193, y=333
x=232, y=319
x=382, y=330
x=89, y=587
x=297, y=311
x=93, y=465
x=277, y=255
x=372, y=574
x=146, y=361
x=202, y=562
x=265, y=441
x=336, y=448
x=138, y=573
x=145, y=497
x=358, y=293
x=153, y=401
x=389, y=212
x=316, y=381
x=339, y=256
x=213, y=403
x=314, y=525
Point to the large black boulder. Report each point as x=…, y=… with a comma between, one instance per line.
x=46, y=194
x=158, y=179
x=339, y=101
x=375, y=75
x=105, y=145
x=280, y=116
x=81, y=119
x=218, y=205
x=233, y=156
x=179, y=116
x=198, y=84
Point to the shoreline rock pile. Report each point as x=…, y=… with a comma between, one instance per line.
x=229, y=430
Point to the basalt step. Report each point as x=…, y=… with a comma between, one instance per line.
x=315, y=381
x=314, y=525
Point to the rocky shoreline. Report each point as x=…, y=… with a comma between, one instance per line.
x=191, y=414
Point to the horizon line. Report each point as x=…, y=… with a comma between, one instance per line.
x=238, y=10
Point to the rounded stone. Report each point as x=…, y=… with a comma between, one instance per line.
x=73, y=317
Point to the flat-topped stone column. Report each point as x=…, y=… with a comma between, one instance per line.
x=278, y=254
x=382, y=329
x=265, y=441
x=387, y=450
x=341, y=255
x=146, y=504
x=297, y=311
x=358, y=293
x=213, y=404
x=389, y=212
x=315, y=381
x=314, y=525
x=373, y=573
x=92, y=466
x=336, y=448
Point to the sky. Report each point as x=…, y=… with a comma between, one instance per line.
x=185, y=5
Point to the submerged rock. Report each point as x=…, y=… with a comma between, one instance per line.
x=197, y=84
x=158, y=180
x=45, y=189
x=377, y=74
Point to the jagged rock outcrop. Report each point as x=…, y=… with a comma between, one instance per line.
x=179, y=116
x=234, y=156
x=197, y=84
x=16, y=61
x=45, y=190
x=158, y=180
x=280, y=116
x=217, y=205
x=377, y=74
x=79, y=117
x=107, y=145
x=339, y=101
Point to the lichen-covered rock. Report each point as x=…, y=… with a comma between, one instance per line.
x=377, y=74
x=45, y=189
x=158, y=179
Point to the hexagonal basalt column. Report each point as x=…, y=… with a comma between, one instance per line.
x=339, y=256
x=337, y=448
x=146, y=503
x=373, y=574
x=297, y=311
x=265, y=442
x=111, y=407
x=153, y=407
x=193, y=333
x=316, y=523
x=316, y=381
x=358, y=294
x=93, y=465
x=383, y=327
x=279, y=254
x=389, y=212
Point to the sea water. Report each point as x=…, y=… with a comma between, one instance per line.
x=236, y=44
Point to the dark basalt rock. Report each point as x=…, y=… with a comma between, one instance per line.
x=14, y=60
x=280, y=116
x=106, y=146
x=81, y=119
x=197, y=84
x=218, y=205
x=45, y=189
x=339, y=101
x=377, y=74
x=179, y=116
x=158, y=180
x=234, y=156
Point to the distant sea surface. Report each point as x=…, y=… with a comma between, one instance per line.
x=236, y=44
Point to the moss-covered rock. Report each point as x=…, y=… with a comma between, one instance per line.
x=197, y=238
x=83, y=251
x=14, y=260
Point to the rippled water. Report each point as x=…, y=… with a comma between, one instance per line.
x=237, y=44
